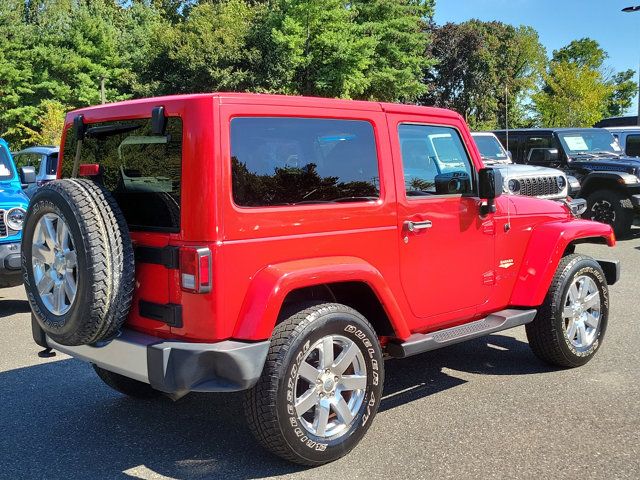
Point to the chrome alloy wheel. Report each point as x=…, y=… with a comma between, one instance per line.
x=581, y=312
x=331, y=382
x=55, y=266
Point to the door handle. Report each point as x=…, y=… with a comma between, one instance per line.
x=416, y=226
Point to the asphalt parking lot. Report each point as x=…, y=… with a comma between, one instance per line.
x=484, y=409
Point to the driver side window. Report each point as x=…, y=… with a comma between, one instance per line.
x=434, y=161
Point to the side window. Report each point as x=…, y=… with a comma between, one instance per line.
x=434, y=161
x=27, y=160
x=534, y=144
x=291, y=161
x=632, y=147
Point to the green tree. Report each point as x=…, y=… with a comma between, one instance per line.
x=579, y=90
x=477, y=63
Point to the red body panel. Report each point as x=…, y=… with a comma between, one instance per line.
x=463, y=268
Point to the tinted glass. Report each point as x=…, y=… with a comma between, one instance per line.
x=633, y=145
x=52, y=164
x=141, y=170
x=589, y=141
x=434, y=161
x=490, y=148
x=288, y=161
x=6, y=171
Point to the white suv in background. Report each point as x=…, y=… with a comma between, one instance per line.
x=628, y=138
x=526, y=180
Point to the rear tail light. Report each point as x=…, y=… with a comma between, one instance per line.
x=196, y=269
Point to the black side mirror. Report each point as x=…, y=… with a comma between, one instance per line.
x=543, y=156
x=489, y=187
x=27, y=176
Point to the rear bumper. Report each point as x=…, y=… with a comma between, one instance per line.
x=176, y=367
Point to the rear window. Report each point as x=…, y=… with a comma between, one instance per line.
x=52, y=164
x=293, y=161
x=6, y=172
x=142, y=171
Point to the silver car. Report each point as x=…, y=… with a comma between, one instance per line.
x=527, y=180
x=45, y=161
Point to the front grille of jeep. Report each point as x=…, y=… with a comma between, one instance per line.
x=3, y=227
x=539, y=186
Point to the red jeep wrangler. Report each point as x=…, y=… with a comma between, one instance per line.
x=286, y=246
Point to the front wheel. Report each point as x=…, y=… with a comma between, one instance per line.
x=570, y=325
x=611, y=207
x=321, y=385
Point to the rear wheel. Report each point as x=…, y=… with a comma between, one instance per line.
x=570, y=325
x=611, y=207
x=321, y=385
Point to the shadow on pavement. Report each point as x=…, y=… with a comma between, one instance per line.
x=12, y=307
x=59, y=421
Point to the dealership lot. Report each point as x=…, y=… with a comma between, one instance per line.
x=482, y=409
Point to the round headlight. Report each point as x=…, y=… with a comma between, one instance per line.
x=15, y=218
x=561, y=182
x=514, y=185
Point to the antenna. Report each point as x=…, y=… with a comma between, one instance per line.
x=507, y=225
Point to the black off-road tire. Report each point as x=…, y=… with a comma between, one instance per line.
x=105, y=261
x=547, y=333
x=269, y=404
x=127, y=386
x=612, y=207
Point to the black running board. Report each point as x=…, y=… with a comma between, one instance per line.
x=419, y=342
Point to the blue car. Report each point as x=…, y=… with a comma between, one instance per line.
x=13, y=206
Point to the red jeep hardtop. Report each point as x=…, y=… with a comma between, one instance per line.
x=285, y=244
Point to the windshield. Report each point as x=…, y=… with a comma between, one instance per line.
x=490, y=148
x=589, y=141
x=6, y=171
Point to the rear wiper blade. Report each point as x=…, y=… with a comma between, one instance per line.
x=108, y=130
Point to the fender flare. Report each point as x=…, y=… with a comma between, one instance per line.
x=270, y=286
x=622, y=179
x=547, y=244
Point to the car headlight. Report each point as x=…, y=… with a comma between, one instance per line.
x=15, y=218
x=513, y=186
x=562, y=182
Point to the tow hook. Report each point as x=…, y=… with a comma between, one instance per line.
x=47, y=353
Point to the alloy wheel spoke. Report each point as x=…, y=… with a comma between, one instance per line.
x=582, y=334
x=326, y=352
x=573, y=293
x=567, y=312
x=353, y=382
x=62, y=233
x=71, y=259
x=308, y=400
x=322, y=418
x=345, y=358
x=592, y=320
x=45, y=285
x=571, y=329
x=70, y=286
x=309, y=373
x=58, y=297
x=49, y=232
x=592, y=300
x=341, y=408
x=42, y=254
x=582, y=290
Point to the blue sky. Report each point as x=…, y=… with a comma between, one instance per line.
x=560, y=21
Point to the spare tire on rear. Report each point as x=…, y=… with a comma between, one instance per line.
x=77, y=262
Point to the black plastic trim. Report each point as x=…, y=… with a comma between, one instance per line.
x=611, y=269
x=169, y=313
x=168, y=256
x=424, y=342
x=229, y=366
x=38, y=333
x=635, y=201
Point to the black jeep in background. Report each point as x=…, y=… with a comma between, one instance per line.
x=609, y=181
